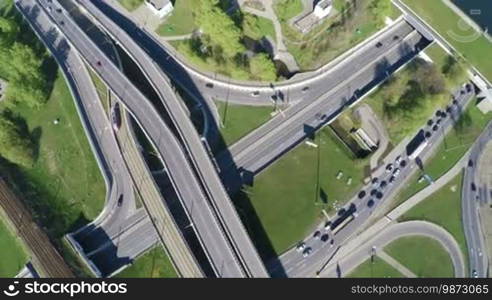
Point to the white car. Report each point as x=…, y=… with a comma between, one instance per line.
x=396, y=172
x=300, y=247
x=398, y=159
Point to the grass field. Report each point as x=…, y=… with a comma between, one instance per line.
x=239, y=120
x=180, y=21
x=423, y=256
x=443, y=208
x=153, y=264
x=265, y=28
x=65, y=188
x=449, y=152
x=288, y=196
x=131, y=5
x=446, y=22
x=13, y=255
x=328, y=39
x=287, y=9
x=376, y=269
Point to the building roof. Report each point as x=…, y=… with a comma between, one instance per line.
x=159, y=4
x=324, y=3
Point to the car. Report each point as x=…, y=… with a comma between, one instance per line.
x=327, y=225
x=59, y=10
x=468, y=88
x=325, y=237
x=370, y=203
x=444, y=115
x=62, y=23
x=438, y=113
x=403, y=164
x=392, y=179
x=455, y=102
x=396, y=37
x=317, y=234
x=470, y=163
x=383, y=184
x=98, y=63
x=120, y=200
x=474, y=274
x=398, y=159
x=116, y=116
x=435, y=127
x=379, y=44
x=430, y=122
x=274, y=97
x=305, y=89
x=396, y=172
x=473, y=186
x=374, y=192
x=307, y=251
x=379, y=195
x=449, y=108
x=428, y=134
x=332, y=242
x=209, y=85
x=462, y=91
x=375, y=181
x=300, y=247
x=389, y=168
x=255, y=93
x=361, y=194
x=438, y=121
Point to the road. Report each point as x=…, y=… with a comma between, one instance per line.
x=218, y=248
x=293, y=264
x=260, y=148
x=193, y=145
x=391, y=233
x=472, y=196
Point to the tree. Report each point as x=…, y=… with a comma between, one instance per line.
x=430, y=80
x=262, y=67
x=380, y=9
x=251, y=26
x=454, y=70
x=221, y=30
x=15, y=142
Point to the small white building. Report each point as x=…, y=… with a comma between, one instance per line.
x=323, y=8
x=160, y=7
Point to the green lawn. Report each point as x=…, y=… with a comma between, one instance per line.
x=64, y=188
x=443, y=208
x=448, y=153
x=287, y=199
x=131, y=5
x=265, y=28
x=153, y=264
x=375, y=269
x=287, y=9
x=239, y=120
x=13, y=256
x=102, y=89
x=329, y=39
x=180, y=21
x=445, y=21
x=424, y=256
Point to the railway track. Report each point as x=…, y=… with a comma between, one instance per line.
x=44, y=256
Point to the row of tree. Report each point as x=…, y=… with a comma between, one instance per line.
x=22, y=67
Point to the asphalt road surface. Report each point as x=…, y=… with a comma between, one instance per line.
x=223, y=258
x=293, y=264
x=471, y=201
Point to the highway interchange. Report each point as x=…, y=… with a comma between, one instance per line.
x=186, y=157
